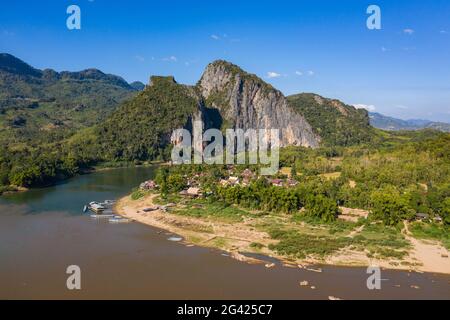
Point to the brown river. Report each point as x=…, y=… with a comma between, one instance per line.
x=44, y=231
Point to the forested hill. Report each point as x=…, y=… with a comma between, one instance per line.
x=142, y=127
x=336, y=123
x=43, y=104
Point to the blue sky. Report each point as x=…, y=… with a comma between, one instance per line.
x=317, y=46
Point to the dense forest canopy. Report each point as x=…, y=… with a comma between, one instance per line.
x=338, y=124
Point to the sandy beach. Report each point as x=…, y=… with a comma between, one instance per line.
x=237, y=237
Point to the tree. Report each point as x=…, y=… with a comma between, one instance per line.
x=294, y=170
x=322, y=207
x=446, y=211
x=161, y=179
x=390, y=207
x=4, y=172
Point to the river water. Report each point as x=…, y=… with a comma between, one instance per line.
x=44, y=231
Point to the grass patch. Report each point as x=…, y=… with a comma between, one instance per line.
x=194, y=239
x=220, y=243
x=201, y=208
x=295, y=244
x=377, y=237
x=166, y=199
x=337, y=227
x=197, y=228
x=256, y=245
x=301, y=245
x=138, y=194
x=431, y=231
x=381, y=252
x=380, y=231
x=382, y=242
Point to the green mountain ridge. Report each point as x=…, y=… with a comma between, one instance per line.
x=15, y=66
x=11, y=64
x=46, y=104
x=337, y=123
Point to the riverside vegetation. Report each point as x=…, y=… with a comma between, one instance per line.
x=391, y=182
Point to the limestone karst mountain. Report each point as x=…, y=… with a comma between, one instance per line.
x=247, y=102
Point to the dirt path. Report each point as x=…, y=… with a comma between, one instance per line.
x=432, y=256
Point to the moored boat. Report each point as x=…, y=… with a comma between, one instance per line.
x=102, y=216
x=119, y=220
x=96, y=207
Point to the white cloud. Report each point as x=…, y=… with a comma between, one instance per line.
x=365, y=106
x=408, y=31
x=443, y=32
x=170, y=59
x=400, y=106
x=140, y=58
x=8, y=33
x=215, y=37
x=189, y=63
x=272, y=74
x=301, y=73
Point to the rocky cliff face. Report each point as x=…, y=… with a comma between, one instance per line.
x=244, y=101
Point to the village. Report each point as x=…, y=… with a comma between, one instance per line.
x=243, y=179
x=194, y=189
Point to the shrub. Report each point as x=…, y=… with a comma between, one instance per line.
x=137, y=194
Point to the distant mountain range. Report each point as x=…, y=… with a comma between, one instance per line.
x=34, y=102
x=392, y=124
